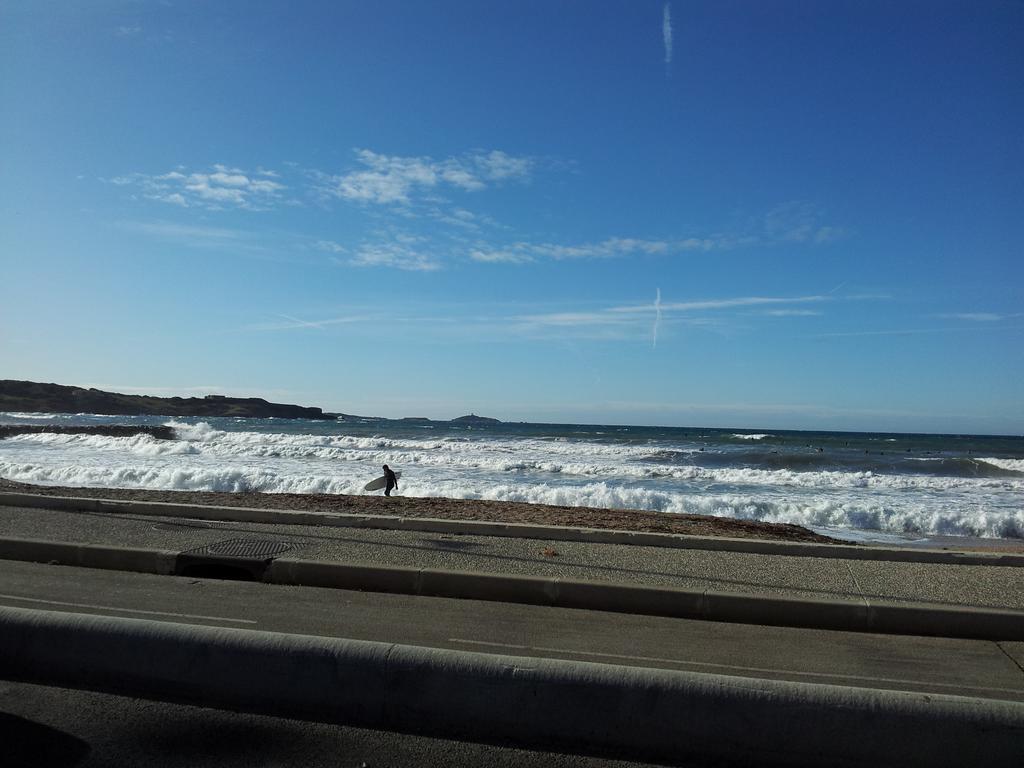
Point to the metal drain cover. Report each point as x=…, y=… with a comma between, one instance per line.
x=260, y=548
x=179, y=526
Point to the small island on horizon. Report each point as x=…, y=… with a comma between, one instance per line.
x=474, y=419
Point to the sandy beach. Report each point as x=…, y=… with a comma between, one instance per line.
x=454, y=509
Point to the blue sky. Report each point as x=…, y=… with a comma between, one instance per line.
x=750, y=214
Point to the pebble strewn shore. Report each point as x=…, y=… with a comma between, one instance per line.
x=455, y=509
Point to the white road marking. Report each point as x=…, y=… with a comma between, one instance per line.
x=123, y=610
x=496, y=645
x=761, y=670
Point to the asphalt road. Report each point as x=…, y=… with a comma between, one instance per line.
x=936, y=665
x=59, y=728
x=805, y=577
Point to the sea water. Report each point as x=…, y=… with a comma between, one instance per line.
x=856, y=485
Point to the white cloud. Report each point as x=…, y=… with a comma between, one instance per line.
x=499, y=257
x=221, y=239
x=787, y=223
x=657, y=319
x=798, y=221
x=792, y=312
x=666, y=32
x=182, y=231
x=895, y=332
x=711, y=304
x=220, y=188
x=978, y=317
x=573, y=319
x=521, y=252
x=393, y=179
x=498, y=166
x=634, y=321
x=396, y=254
x=291, y=323
x=330, y=246
x=631, y=321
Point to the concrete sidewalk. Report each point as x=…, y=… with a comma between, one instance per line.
x=778, y=574
x=787, y=587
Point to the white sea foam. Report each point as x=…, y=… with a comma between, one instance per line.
x=567, y=472
x=750, y=437
x=1014, y=465
x=525, y=457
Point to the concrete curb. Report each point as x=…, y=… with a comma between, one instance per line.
x=162, y=562
x=640, y=714
x=513, y=530
x=705, y=605
x=860, y=615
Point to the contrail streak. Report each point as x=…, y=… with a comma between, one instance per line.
x=666, y=32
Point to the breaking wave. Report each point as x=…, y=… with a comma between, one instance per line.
x=888, y=493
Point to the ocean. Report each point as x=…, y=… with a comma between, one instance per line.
x=858, y=486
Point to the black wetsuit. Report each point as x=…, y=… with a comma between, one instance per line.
x=391, y=480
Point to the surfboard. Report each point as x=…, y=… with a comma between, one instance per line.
x=380, y=482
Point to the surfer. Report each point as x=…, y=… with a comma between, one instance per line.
x=390, y=480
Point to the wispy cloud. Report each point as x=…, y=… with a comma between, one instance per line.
x=791, y=312
x=262, y=245
x=614, y=247
x=409, y=191
x=790, y=223
x=892, y=332
x=666, y=32
x=713, y=304
x=183, y=231
x=573, y=319
x=398, y=180
x=981, y=317
x=221, y=187
x=330, y=246
x=798, y=221
x=657, y=319
x=402, y=252
x=633, y=321
x=288, y=322
x=221, y=239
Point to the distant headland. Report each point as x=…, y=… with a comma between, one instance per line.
x=35, y=397
x=30, y=396
x=470, y=420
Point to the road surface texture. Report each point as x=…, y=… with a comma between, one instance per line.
x=804, y=577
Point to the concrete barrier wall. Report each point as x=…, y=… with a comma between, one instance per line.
x=159, y=561
x=641, y=714
x=514, y=530
x=859, y=615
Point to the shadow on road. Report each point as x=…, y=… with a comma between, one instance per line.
x=27, y=744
